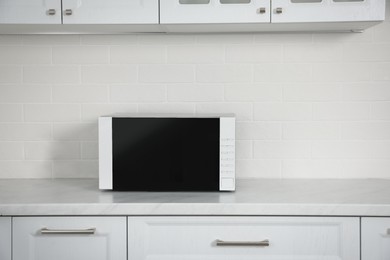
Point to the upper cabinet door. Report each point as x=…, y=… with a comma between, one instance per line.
x=286, y=11
x=110, y=12
x=214, y=11
x=30, y=12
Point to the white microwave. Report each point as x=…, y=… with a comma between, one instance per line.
x=167, y=153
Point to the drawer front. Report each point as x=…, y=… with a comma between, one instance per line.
x=195, y=238
x=5, y=238
x=69, y=238
x=375, y=238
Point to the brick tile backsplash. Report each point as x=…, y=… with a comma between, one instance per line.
x=52, y=150
x=80, y=94
x=137, y=54
x=242, y=111
x=20, y=94
x=195, y=93
x=375, y=91
x=223, y=73
x=253, y=92
x=254, y=53
x=25, y=55
x=311, y=92
x=91, y=112
x=80, y=54
x=11, y=151
x=21, y=169
x=25, y=132
x=137, y=93
x=194, y=54
x=10, y=74
x=166, y=73
x=313, y=52
x=52, y=113
x=11, y=112
x=108, y=74
x=282, y=111
x=308, y=105
x=49, y=74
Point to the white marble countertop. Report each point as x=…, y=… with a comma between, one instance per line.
x=253, y=197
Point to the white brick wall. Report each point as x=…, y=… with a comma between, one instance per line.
x=307, y=105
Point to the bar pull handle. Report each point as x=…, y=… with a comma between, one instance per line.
x=263, y=243
x=88, y=231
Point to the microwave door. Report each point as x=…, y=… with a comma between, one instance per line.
x=165, y=154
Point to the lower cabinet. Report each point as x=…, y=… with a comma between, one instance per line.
x=193, y=238
x=5, y=238
x=375, y=238
x=69, y=238
x=238, y=238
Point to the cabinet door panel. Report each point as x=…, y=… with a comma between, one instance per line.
x=5, y=238
x=111, y=12
x=30, y=12
x=214, y=11
x=287, y=11
x=107, y=243
x=290, y=238
x=375, y=238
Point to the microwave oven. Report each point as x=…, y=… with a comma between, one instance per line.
x=167, y=153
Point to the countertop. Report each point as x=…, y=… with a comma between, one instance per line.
x=253, y=197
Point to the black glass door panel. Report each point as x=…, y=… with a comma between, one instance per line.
x=165, y=154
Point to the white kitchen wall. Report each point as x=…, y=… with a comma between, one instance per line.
x=307, y=105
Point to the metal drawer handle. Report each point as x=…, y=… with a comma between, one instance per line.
x=263, y=243
x=68, y=12
x=279, y=10
x=88, y=231
x=51, y=12
x=262, y=10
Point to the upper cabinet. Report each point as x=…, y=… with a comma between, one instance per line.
x=214, y=11
x=110, y=12
x=266, y=11
x=79, y=12
x=30, y=12
x=297, y=11
x=187, y=16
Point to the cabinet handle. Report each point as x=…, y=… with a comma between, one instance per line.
x=68, y=12
x=279, y=10
x=51, y=12
x=263, y=243
x=262, y=10
x=88, y=231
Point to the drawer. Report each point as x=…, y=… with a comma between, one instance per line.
x=243, y=238
x=375, y=238
x=69, y=238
